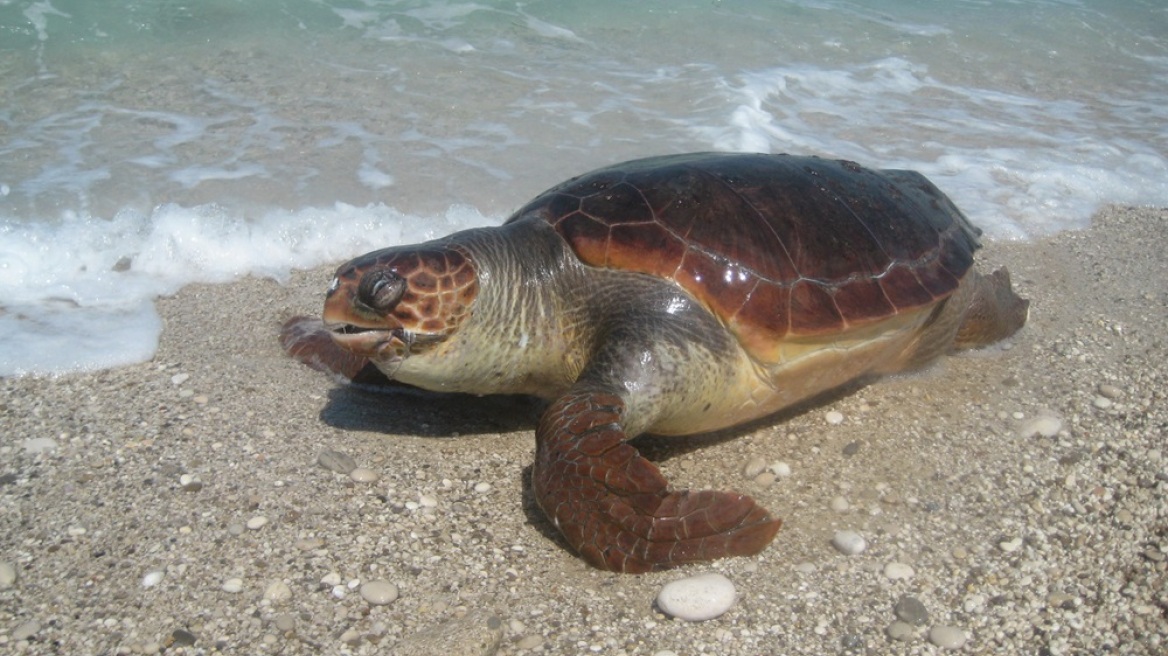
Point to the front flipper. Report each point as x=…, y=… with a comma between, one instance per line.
x=614, y=507
x=307, y=340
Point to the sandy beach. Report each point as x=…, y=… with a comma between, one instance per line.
x=179, y=506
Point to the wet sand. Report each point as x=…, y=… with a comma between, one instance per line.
x=1024, y=543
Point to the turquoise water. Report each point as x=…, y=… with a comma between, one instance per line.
x=146, y=145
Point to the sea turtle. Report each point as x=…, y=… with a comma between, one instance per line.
x=670, y=295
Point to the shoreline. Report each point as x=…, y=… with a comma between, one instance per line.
x=1022, y=542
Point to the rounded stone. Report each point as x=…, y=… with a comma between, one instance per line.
x=336, y=461
x=25, y=630
x=834, y=417
x=754, y=467
x=840, y=504
x=257, y=522
x=529, y=642
x=849, y=542
x=7, y=575
x=364, y=475
x=482, y=487
x=285, y=621
x=697, y=598
x=233, y=585
x=152, y=579
x=1102, y=402
x=910, y=609
x=277, y=592
x=379, y=593
x=947, y=637
x=898, y=571
x=900, y=631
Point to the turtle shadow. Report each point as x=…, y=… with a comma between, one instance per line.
x=404, y=410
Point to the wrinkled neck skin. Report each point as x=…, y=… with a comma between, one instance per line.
x=525, y=335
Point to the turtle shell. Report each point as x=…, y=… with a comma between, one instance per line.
x=777, y=246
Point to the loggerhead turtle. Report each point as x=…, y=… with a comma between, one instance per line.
x=670, y=295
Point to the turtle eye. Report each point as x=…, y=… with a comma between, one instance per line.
x=380, y=291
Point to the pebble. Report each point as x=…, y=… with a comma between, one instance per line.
x=754, y=467
x=364, y=475
x=190, y=483
x=379, y=593
x=900, y=631
x=947, y=637
x=233, y=585
x=257, y=522
x=840, y=504
x=1110, y=391
x=834, y=417
x=428, y=501
x=482, y=487
x=1010, y=546
x=898, y=571
x=909, y=609
x=336, y=461
x=7, y=575
x=285, y=621
x=1102, y=402
x=25, y=631
x=849, y=542
x=1046, y=426
x=697, y=598
x=277, y=592
x=780, y=469
x=529, y=642
x=183, y=638
x=39, y=444
x=179, y=379
x=152, y=579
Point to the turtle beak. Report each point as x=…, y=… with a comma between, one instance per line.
x=359, y=320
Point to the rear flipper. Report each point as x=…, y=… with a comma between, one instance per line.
x=995, y=311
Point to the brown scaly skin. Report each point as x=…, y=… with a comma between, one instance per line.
x=514, y=310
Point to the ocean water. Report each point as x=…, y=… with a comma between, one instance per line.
x=149, y=144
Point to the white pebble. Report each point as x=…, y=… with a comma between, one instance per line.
x=257, y=522
x=1010, y=546
x=849, y=542
x=697, y=598
x=898, y=571
x=379, y=593
x=947, y=637
x=179, y=379
x=364, y=475
x=1102, y=402
x=1046, y=426
x=840, y=504
x=7, y=575
x=152, y=579
x=277, y=592
x=834, y=417
x=428, y=501
x=233, y=585
x=331, y=579
x=780, y=469
x=482, y=487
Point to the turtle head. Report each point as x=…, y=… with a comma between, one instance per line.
x=395, y=303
